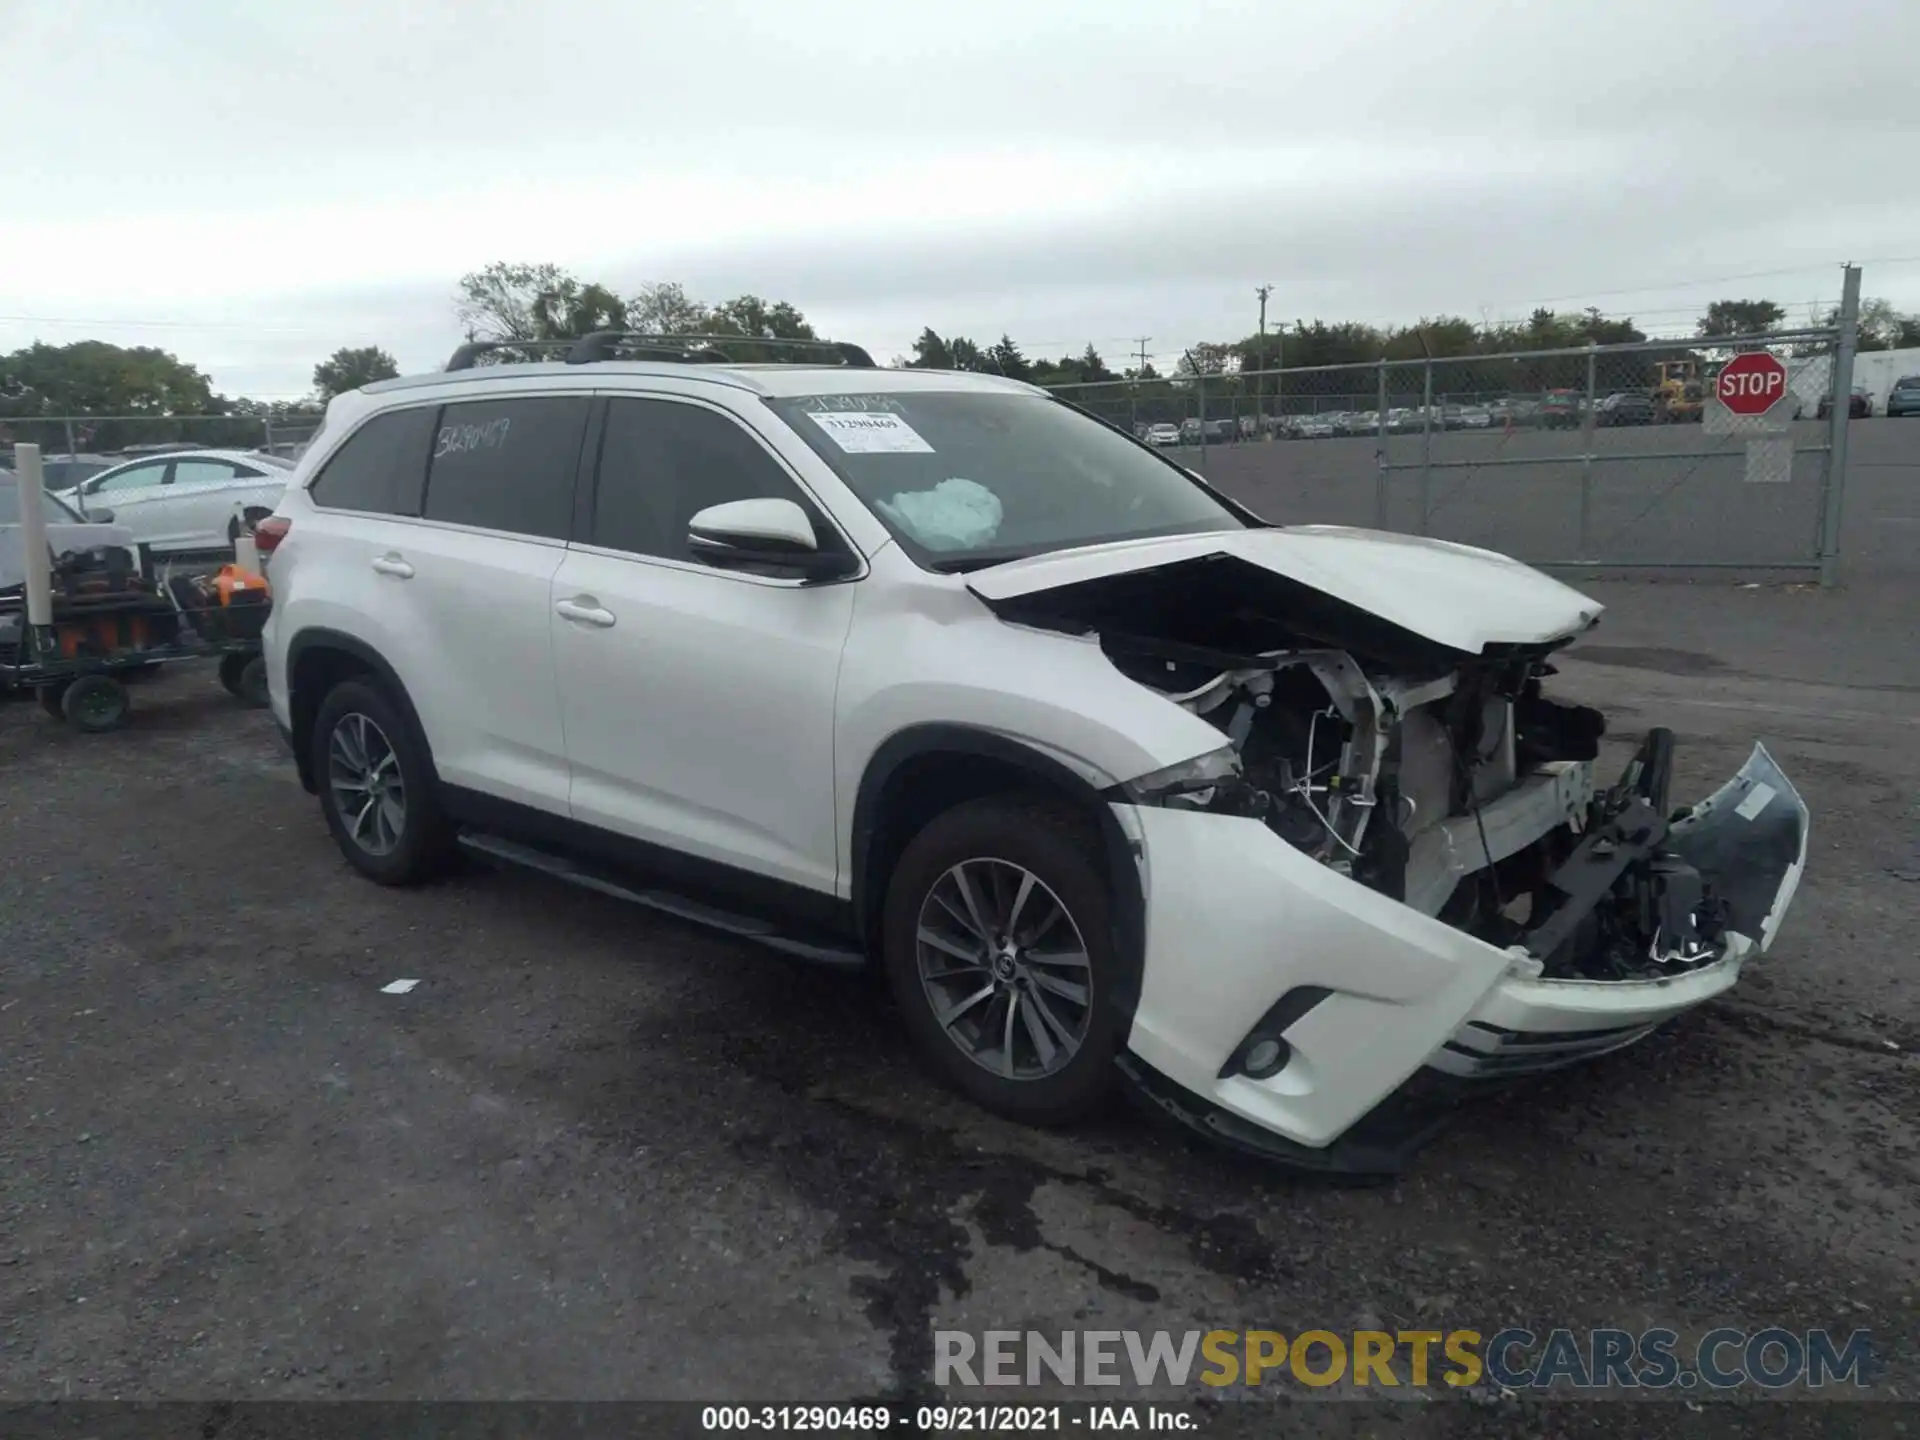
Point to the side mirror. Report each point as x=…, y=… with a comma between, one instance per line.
x=773, y=535
x=99, y=516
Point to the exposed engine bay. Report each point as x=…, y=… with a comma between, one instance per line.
x=1463, y=791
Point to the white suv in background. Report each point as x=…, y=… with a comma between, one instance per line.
x=1111, y=777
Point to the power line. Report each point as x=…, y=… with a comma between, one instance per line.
x=159, y=324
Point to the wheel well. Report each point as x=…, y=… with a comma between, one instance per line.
x=923, y=780
x=315, y=671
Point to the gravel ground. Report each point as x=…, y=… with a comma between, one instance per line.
x=599, y=1154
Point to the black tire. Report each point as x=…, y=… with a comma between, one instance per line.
x=96, y=704
x=424, y=839
x=1057, y=847
x=253, y=682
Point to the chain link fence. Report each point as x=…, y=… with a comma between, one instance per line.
x=1617, y=457
x=73, y=445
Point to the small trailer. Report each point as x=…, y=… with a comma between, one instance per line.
x=87, y=617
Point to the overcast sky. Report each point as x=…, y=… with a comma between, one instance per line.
x=257, y=184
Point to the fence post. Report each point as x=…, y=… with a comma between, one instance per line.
x=1200, y=396
x=72, y=448
x=1839, y=412
x=1380, y=452
x=1279, y=384
x=1586, y=459
x=1426, y=450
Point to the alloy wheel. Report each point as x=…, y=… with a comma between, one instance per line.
x=363, y=776
x=1004, y=968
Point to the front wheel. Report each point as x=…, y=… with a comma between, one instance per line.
x=998, y=947
x=376, y=787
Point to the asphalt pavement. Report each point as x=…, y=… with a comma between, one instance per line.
x=596, y=1153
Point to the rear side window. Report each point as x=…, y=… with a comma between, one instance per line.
x=508, y=464
x=662, y=461
x=381, y=466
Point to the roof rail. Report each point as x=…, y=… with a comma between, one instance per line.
x=603, y=344
x=677, y=349
x=468, y=355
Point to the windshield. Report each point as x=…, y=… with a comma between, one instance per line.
x=55, y=510
x=1907, y=382
x=973, y=478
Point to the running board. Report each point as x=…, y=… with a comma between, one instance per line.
x=574, y=873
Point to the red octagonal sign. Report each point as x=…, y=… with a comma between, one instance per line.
x=1751, y=384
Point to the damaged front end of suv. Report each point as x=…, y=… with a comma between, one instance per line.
x=1485, y=908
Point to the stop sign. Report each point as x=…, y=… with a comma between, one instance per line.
x=1751, y=383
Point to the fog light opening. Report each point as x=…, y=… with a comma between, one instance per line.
x=1265, y=1058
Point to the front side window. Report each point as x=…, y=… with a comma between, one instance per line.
x=664, y=461
x=969, y=478
x=379, y=468
x=508, y=464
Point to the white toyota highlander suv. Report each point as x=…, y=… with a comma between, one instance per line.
x=1111, y=777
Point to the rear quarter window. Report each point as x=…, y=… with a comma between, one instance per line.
x=381, y=467
x=508, y=464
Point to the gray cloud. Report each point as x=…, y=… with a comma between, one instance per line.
x=1064, y=172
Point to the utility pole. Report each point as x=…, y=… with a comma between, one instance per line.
x=1260, y=379
x=1133, y=390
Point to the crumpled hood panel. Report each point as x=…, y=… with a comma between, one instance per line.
x=1453, y=595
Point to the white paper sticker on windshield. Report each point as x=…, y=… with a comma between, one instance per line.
x=869, y=432
x=1755, y=802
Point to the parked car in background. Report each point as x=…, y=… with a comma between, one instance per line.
x=1221, y=430
x=1475, y=417
x=185, y=500
x=1163, y=434
x=1312, y=427
x=1859, y=407
x=1625, y=407
x=1904, y=398
x=1561, y=409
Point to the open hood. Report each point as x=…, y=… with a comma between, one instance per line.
x=1365, y=590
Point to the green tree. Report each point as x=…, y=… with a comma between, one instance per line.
x=1881, y=326
x=1005, y=358
x=930, y=352
x=967, y=355
x=749, y=315
x=147, y=390
x=348, y=369
x=1739, y=317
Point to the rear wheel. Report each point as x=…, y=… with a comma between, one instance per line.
x=998, y=949
x=376, y=787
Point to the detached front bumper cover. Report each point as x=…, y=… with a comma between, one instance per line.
x=1364, y=1091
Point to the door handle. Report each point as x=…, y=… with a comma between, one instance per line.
x=584, y=610
x=393, y=565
